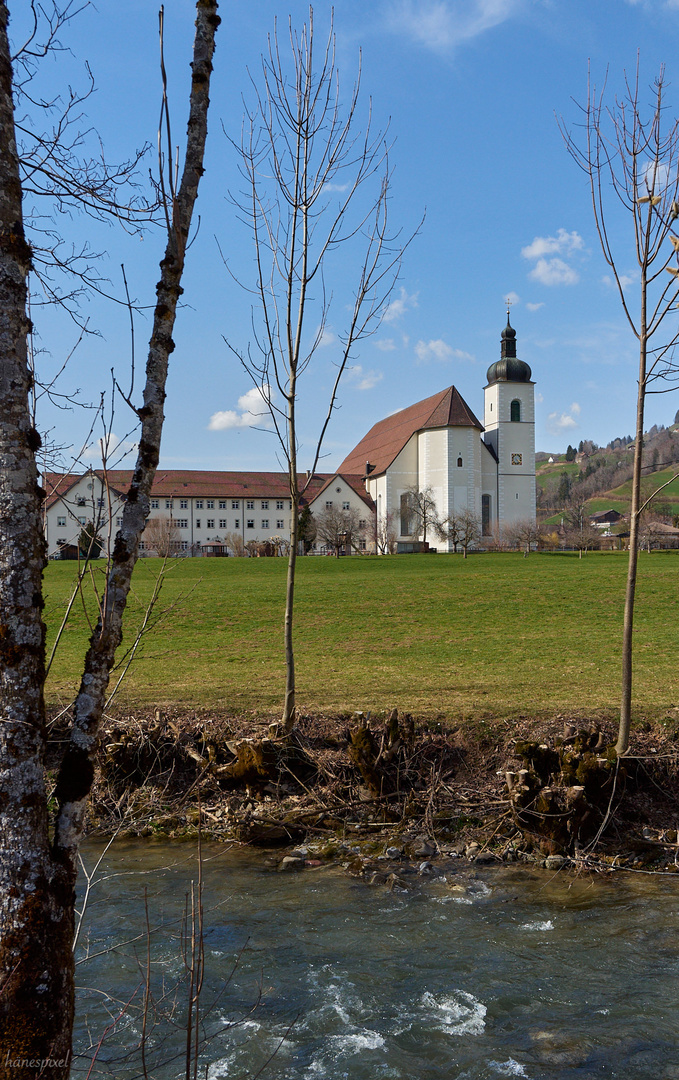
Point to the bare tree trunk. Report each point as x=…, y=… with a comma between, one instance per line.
x=36, y=897
x=37, y=879
x=289, y=704
x=633, y=556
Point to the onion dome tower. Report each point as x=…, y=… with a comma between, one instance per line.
x=509, y=421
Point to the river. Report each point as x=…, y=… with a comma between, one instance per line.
x=503, y=972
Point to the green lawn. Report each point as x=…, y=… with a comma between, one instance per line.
x=490, y=636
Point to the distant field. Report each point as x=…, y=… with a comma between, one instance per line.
x=650, y=484
x=490, y=636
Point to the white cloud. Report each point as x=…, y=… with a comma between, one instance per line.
x=535, y=307
x=400, y=305
x=557, y=423
x=441, y=351
x=116, y=450
x=512, y=298
x=539, y=398
x=386, y=344
x=625, y=280
x=554, y=272
x=327, y=337
x=252, y=412
x=564, y=243
x=335, y=187
x=442, y=25
x=364, y=380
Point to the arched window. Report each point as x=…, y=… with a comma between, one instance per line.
x=515, y=411
x=459, y=463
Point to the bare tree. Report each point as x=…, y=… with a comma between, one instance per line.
x=424, y=512
x=386, y=533
x=308, y=171
x=522, y=534
x=631, y=154
x=38, y=866
x=162, y=536
x=469, y=529
x=235, y=543
x=338, y=529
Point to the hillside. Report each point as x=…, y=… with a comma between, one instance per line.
x=601, y=476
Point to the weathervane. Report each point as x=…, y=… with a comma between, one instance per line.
x=509, y=304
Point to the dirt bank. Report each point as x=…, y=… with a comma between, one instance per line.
x=387, y=795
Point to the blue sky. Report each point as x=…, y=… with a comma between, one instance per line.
x=471, y=90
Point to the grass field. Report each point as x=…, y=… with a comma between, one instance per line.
x=490, y=636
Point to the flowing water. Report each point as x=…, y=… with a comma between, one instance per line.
x=506, y=972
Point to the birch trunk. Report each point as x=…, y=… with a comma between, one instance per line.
x=37, y=877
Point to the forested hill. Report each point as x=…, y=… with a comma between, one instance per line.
x=590, y=472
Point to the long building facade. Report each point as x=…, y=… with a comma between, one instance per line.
x=437, y=445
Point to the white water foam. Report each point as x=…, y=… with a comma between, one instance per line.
x=360, y=1040
x=458, y=1013
x=508, y=1068
x=537, y=925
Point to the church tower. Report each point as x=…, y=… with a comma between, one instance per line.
x=509, y=422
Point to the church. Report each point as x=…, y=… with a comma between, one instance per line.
x=436, y=444
x=439, y=444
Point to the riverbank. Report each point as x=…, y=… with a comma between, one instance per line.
x=390, y=797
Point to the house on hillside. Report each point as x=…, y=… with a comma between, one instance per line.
x=604, y=519
x=438, y=443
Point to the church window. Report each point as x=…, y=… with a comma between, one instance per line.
x=485, y=515
x=515, y=411
x=459, y=463
x=408, y=514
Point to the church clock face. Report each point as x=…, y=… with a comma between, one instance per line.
x=517, y=459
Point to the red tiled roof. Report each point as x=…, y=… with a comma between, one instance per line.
x=386, y=439
x=208, y=483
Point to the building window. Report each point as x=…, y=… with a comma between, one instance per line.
x=210, y=504
x=183, y=504
x=222, y=504
x=328, y=505
x=236, y=523
x=280, y=524
x=408, y=514
x=61, y=522
x=235, y=504
x=485, y=515
x=82, y=521
x=362, y=544
x=279, y=504
x=199, y=504
x=265, y=504
x=100, y=503
x=346, y=506
x=222, y=523
x=119, y=522
x=250, y=504
x=197, y=523
x=142, y=545
x=182, y=523
x=184, y=545
x=517, y=494
x=459, y=463
x=154, y=504
x=81, y=501
x=251, y=523
x=168, y=504
x=210, y=524
x=265, y=523
x=515, y=411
